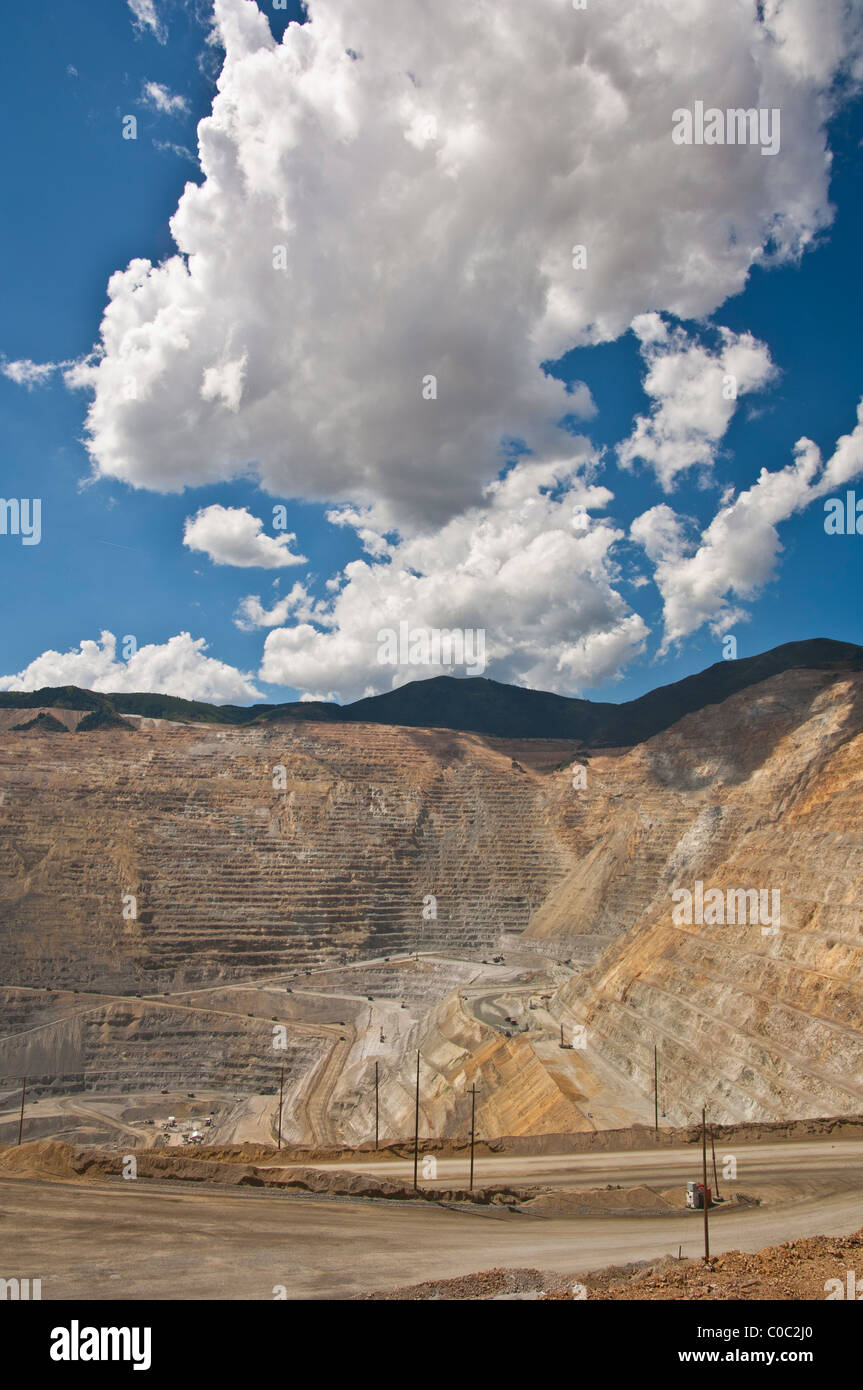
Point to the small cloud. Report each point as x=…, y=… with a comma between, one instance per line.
x=27, y=373
x=71, y=70
x=694, y=391
x=700, y=577
x=181, y=151
x=232, y=536
x=157, y=96
x=145, y=17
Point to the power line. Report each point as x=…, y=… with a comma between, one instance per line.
x=21, y=1117
x=704, y=1183
x=417, y=1124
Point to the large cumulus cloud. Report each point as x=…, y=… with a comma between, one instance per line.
x=406, y=209
x=427, y=170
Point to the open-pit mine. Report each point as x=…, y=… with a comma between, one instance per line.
x=227, y=951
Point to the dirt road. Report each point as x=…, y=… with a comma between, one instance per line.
x=134, y=1240
x=809, y=1167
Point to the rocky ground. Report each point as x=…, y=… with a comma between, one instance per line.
x=797, y=1270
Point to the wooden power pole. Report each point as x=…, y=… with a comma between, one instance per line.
x=655, y=1089
x=417, y=1124
x=281, y=1093
x=704, y=1183
x=376, y=1107
x=472, y=1131
x=21, y=1117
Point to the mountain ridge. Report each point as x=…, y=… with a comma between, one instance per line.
x=475, y=704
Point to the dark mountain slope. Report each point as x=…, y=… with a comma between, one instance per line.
x=478, y=705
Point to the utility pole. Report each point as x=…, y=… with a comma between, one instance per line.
x=281, y=1093
x=417, y=1124
x=472, y=1131
x=376, y=1107
x=704, y=1183
x=21, y=1118
x=655, y=1090
x=715, y=1174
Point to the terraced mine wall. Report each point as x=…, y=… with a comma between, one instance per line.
x=231, y=874
x=765, y=793
x=755, y=1020
x=255, y=854
x=121, y=1045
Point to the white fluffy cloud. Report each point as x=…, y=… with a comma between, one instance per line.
x=176, y=667
x=145, y=18
x=171, y=147
x=158, y=96
x=422, y=173
x=252, y=614
x=695, y=391
x=232, y=536
x=27, y=373
x=381, y=258
x=736, y=554
x=817, y=39
x=529, y=568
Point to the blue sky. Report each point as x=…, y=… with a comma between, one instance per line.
x=81, y=203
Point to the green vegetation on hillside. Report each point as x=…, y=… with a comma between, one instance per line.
x=101, y=719
x=44, y=721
